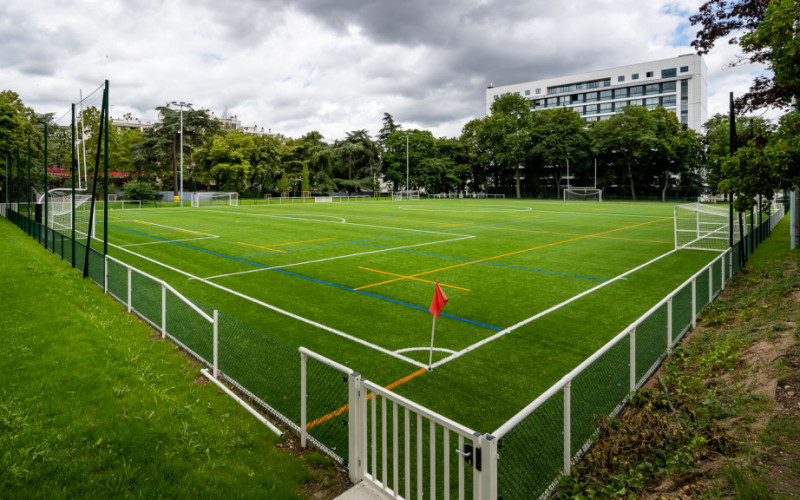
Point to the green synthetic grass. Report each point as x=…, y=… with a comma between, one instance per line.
x=92, y=406
x=534, y=255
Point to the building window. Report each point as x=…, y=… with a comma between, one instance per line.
x=620, y=93
x=651, y=89
x=527, y=92
x=516, y=93
x=620, y=78
x=566, y=88
x=684, y=69
x=669, y=73
x=495, y=97
x=578, y=86
x=552, y=102
x=637, y=91
x=649, y=74
x=591, y=85
x=577, y=98
x=635, y=76
x=607, y=83
x=591, y=96
x=552, y=90
x=606, y=107
x=668, y=87
x=685, y=103
x=651, y=102
x=591, y=109
x=668, y=100
x=605, y=95
x=538, y=91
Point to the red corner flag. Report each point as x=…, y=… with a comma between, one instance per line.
x=438, y=302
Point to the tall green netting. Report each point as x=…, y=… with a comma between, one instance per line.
x=651, y=342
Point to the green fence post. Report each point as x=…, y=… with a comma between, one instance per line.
x=44, y=219
x=30, y=188
x=105, y=173
x=72, y=166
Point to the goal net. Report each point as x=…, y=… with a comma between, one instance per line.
x=60, y=214
x=583, y=194
x=405, y=195
x=703, y=227
x=215, y=199
x=323, y=199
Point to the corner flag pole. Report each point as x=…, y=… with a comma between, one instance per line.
x=437, y=304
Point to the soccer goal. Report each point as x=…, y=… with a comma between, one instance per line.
x=215, y=199
x=323, y=199
x=583, y=194
x=703, y=227
x=60, y=213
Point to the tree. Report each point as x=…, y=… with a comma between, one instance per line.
x=559, y=136
x=359, y=155
x=629, y=135
x=159, y=149
x=720, y=19
x=508, y=126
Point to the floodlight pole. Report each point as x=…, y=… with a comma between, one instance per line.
x=408, y=194
x=181, y=105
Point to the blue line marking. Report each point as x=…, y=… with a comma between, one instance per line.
x=464, y=320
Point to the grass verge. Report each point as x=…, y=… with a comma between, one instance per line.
x=720, y=418
x=92, y=403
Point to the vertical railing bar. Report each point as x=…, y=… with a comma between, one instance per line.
x=432, y=428
x=129, y=290
x=395, y=444
x=446, y=456
x=694, y=303
x=163, y=309
x=303, y=403
x=419, y=456
x=408, y=452
x=669, y=325
x=460, y=469
x=567, y=428
x=710, y=283
x=374, y=438
x=105, y=272
x=384, y=444
x=633, y=359
x=216, y=344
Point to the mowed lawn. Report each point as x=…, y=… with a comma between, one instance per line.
x=93, y=405
x=367, y=270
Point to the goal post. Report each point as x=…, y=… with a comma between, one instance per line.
x=583, y=194
x=699, y=226
x=208, y=199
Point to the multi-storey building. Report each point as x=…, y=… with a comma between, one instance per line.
x=678, y=84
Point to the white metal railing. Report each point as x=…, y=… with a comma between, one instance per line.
x=392, y=455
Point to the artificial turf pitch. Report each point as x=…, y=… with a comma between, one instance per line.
x=366, y=272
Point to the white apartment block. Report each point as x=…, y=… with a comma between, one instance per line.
x=678, y=84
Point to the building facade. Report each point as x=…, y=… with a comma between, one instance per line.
x=678, y=84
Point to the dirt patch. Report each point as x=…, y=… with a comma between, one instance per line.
x=200, y=380
x=330, y=479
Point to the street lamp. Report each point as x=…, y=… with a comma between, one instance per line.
x=408, y=193
x=182, y=105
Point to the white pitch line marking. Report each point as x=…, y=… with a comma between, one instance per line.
x=168, y=241
x=279, y=310
x=437, y=349
x=548, y=311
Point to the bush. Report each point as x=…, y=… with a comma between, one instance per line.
x=138, y=190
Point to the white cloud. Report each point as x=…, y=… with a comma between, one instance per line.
x=332, y=66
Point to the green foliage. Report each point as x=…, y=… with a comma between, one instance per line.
x=138, y=190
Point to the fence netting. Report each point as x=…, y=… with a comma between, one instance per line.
x=327, y=406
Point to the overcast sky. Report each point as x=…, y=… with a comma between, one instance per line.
x=333, y=65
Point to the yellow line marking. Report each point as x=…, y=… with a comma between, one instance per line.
x=140, y=222
x=257, y=246
x=188, y=232
x=578, y=234
x=415, y=279
x=112, y=217
x=337, y=412
x=512, y=253
x=304, y=241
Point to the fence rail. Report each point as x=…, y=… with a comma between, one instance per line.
x=399, y=446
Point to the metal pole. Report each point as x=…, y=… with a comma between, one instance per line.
x=408, y=195
x=72, y=166
x=732, y=148
x=181, y=190
x=30, y=186
x=46, y=214
x=5, y=188
x=105, y=172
